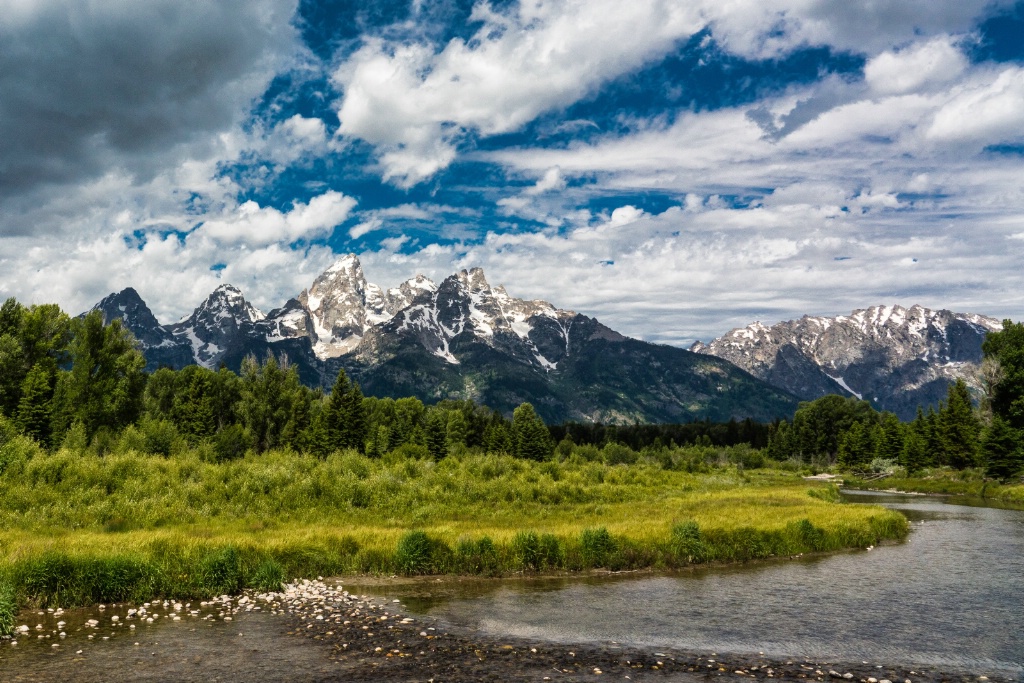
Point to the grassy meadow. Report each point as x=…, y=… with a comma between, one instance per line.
x=79, y=528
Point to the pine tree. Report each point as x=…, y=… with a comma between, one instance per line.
x=890, y=439
x=529, y=434
x=353, y=419
x=35, y=409
x=436, y=430
x=457, y=430
x=914, y=455
x=1002, y=450
x=855, y=446
x=497, y=438
x=959, y=428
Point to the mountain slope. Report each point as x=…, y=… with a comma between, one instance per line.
x=896, y=357
x=467, y=339
x=158, y=344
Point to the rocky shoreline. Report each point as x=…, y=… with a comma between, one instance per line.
x=375, y=640
x=315, y=630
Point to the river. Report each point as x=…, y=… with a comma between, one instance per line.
x=950, y=598
x=952, y=595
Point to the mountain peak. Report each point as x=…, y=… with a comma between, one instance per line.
x=895, y=356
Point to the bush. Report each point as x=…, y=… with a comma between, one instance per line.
x=417, y=553
x=526, y=550
x=618, y=454
x=222, y=571
x=687, y=545
x=159, y=437
x=231, y=443
x=413, y=451
x=597, y=547
x=269, y=576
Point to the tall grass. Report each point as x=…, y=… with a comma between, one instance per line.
x=77, y=528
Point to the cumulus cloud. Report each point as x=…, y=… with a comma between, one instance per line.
x=413, y=102
x=261, y=226
x=934, y=62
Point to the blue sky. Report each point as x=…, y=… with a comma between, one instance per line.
x=673, y=168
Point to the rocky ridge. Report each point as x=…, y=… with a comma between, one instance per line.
x=462, y=339
x=896, y=357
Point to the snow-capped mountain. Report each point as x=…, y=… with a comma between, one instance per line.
x=466, y=339
x=218, y=324
x=896, y=357
x=339, y=308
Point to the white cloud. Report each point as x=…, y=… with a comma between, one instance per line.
x=414, y=103
x=984, y=112
x=552, y=181
x=935, y=62
x=258, y=226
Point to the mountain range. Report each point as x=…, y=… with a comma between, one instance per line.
x=458, y=339
x=463, y=338
x=897, y=358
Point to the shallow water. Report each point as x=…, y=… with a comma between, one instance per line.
x=952, y=595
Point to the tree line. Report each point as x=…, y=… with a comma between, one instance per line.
x=81, y=383
x=851, y=433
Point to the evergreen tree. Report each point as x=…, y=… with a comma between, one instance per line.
x=959, y=428
x=267, y=393
x=914, y=455
x=889, y=445
x=530, y=436
x=1001, y=449
x=192, y=406
x=457, y=429
x=35, y=409
x=354, y=419
x=498, y=438
x=105, y=385
x=856, y=446
x=436, y=431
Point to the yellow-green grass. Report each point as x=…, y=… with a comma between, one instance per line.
x=78, y=528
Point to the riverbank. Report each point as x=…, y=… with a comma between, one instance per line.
x=80, y=529
x=317, y=631
x=970, y=483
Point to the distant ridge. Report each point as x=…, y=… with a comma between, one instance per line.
x=898, y=358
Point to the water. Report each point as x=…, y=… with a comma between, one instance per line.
x=952, y=595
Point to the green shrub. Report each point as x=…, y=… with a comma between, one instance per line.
x=596, y=546
x=811, y=536
x=687, y=545
x=618, y=454
x=269, y=576
x=411, y=450
x=231, y=443
x=526, y=550
x=222, y=571
x=159, y=436
x=417, y=553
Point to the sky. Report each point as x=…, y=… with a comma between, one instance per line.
x=675, y=168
